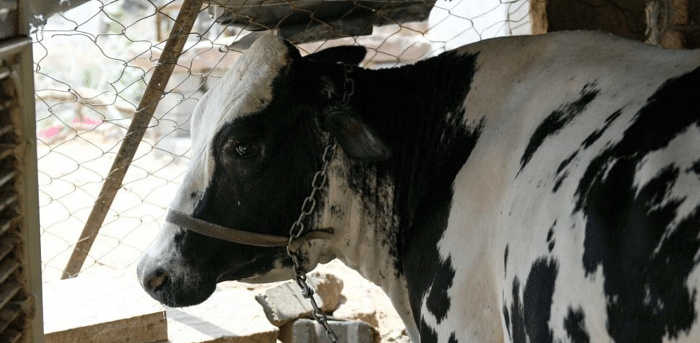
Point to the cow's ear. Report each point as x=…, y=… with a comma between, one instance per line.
x=356, y=137
x=348, y=54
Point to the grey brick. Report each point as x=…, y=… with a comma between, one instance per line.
x=309, y=331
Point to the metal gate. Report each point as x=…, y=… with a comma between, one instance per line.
x=20, y=270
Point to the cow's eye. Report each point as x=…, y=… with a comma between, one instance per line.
x=240, y=149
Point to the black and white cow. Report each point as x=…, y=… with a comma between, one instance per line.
x=524, y=189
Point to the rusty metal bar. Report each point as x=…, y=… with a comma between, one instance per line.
x=151, y=97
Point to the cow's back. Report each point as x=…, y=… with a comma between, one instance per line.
x=578, y=211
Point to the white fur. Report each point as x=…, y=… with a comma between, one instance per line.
x=519, y=82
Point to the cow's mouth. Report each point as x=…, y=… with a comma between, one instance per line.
x=256, y=266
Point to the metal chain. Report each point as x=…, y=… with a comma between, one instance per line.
x=319, y=181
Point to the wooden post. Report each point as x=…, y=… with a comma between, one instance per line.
x=665, y=21
x=622, y=17
x=151, y=97
x=668, y=23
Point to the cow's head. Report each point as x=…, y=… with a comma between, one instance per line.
x=257, y=141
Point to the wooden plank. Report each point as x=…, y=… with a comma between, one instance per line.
x=6, y=175
x=5, y=225
x=7, y=267
x=5, y=129
x=6, y=199
x=104, y=308
x=7, y=244
x=7, y=316
x=4, y=73
x=5, y=150
x=151, y=327
x=8, y=291
x=11, y=336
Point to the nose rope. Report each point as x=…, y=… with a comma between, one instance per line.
x=242, y=237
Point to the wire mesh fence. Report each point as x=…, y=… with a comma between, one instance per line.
x=92, y=65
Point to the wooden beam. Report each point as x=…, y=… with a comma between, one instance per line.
x=151, y=97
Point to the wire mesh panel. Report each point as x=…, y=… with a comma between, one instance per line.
x=92, y=65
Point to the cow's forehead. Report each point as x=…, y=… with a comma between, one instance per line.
x=244, y=90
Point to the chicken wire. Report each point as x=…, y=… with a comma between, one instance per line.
x=92, y=65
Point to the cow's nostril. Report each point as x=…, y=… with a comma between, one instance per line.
x=156, y=283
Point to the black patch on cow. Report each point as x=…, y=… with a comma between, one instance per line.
x=574, y=324
x=561, y=175
x=565, y=163
x=505, y=260
x=537, y=299
x=645, y=259
x=517, y=315
x=550, y=237
x=695, y=168
x=646, y=290
x=506, y=318
x=531, y=319
x=556, y=121
x=427, y=334
x=557, y=183
x=593, y=137
x=670, y=111
x=453, y=338
x=424, y=128
x=438, y=302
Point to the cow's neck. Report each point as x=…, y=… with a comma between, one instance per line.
x=418, y=111
x=399, y=207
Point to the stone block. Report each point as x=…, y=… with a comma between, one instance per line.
x=309, y=331
x=230, y=315
x=284, y=303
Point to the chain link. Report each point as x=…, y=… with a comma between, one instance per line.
x=349, y=86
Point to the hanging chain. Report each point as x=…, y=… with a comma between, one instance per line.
x=349, y=85
x=319, y=181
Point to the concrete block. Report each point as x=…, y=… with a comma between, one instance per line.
x=309, y=331
x=329, y=288
x=284, y=303
x=365, y=301
x=230, y=315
